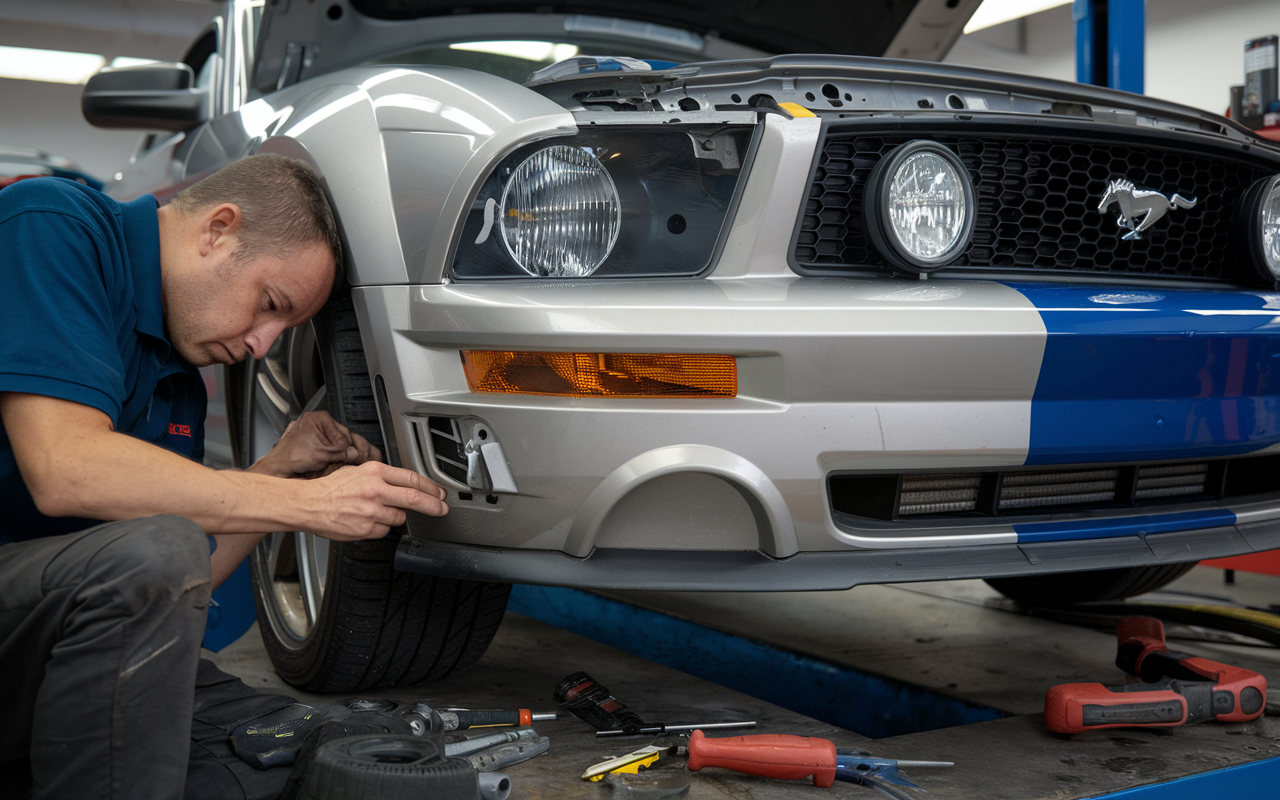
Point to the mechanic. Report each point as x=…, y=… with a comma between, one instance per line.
x=106, y=311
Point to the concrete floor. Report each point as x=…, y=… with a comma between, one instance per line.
x=959, y=639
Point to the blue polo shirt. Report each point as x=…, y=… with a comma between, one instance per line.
x=81, y=319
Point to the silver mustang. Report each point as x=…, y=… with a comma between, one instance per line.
x=665, y=310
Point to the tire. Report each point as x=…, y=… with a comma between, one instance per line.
x=1066, y=588
x=335, y=616
x=387, y=768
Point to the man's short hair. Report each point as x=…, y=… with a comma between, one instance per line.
x=282, y=207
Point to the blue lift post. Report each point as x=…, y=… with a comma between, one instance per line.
x=1110, y=39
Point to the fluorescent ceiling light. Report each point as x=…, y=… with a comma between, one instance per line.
x=52, y=66
x=126, y=61
x=994, y=12
x=529, y=51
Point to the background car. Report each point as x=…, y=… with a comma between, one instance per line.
x=17, y=163
x=662, y=310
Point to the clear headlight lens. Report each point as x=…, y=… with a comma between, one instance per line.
x=560, y=213
x=926, y=205
x=1269, y=223
x=920, y=206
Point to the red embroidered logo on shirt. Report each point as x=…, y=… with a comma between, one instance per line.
x=179, y=430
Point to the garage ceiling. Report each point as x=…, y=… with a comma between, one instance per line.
x=161, y=29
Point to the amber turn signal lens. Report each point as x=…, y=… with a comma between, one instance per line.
x=601, y=374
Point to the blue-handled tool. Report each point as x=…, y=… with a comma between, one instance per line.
x=881, y=774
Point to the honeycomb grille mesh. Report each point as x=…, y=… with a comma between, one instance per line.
x=1037, y=206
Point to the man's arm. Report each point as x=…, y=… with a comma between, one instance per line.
x=75, y=464
x=312, y=446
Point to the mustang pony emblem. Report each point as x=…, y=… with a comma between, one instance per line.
x=1134, y=202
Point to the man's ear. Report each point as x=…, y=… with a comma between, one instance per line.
x=219, y=227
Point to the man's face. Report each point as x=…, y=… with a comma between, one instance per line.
x=230, y=308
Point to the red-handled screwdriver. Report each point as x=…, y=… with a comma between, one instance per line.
x=789, y=757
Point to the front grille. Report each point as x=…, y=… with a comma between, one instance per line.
x=1037, y=206
x=1025, y=492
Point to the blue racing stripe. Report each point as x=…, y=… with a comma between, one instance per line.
x=1133, y=375
x=1122, y=526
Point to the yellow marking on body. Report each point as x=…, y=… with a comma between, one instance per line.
x=796, y=110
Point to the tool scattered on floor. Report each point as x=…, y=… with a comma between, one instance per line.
x=649, y=785
x=636, y=760
x=464, y=718
x=589, y=701
x=1178, y=688
x=793, y=757
x=274, y=739
x=503, y=755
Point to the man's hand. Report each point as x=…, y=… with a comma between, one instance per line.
x=365, y=502
x=315, y=444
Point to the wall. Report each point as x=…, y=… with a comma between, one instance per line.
x=47, y=115
x=1195, y=49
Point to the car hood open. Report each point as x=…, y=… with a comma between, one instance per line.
x=847, y=27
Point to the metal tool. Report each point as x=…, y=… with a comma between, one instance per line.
x=589, y=701
x=633, y=761
x=658, y=729
x=476, y=744
x=649, y=785
x=457, y=719
x=503, y=755
x=793, y=757
x=1182, y=688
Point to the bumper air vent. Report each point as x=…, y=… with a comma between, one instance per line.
x=1056, y=488
x=447, y=447
x=1029, y=492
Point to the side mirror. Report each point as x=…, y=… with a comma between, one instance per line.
x=147, y=97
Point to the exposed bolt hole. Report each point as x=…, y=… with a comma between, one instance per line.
x=952, y=3
x=848, y=97
x=689, y=104
x=830, y=91
x=924, y=102
x=465, y=496
x=483, y=433
x=491, y=499
x=334, y=12
x=676, y=224
x=735, y=98
x=809, y=96
x=955, y=101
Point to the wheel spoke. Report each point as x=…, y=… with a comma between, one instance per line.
x=310, y=578
x=292, y=564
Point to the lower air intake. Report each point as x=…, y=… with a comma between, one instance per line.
x=1024, y=492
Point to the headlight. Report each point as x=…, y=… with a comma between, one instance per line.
x=610, y=201
x=920, y=206
x=1260, y=229
x=560, y=213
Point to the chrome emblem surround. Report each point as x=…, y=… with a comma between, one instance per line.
x=1134, y=203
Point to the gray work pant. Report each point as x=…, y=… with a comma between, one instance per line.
x=100, y=637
